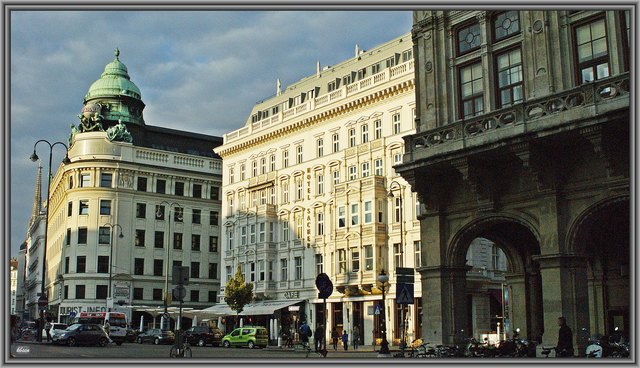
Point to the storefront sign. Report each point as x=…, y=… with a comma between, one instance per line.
x=291, y=294
x=83, y=308
x=294, y=308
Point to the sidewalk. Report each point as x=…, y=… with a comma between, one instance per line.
x=361, y=349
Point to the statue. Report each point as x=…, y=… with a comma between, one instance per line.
x=90, y=122
x=72, y=135
x=119, y=133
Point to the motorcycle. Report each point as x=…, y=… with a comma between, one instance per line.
x=612, y=346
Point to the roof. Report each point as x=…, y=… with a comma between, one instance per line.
x=114, y=81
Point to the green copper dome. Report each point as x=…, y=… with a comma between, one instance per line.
x=114, y=82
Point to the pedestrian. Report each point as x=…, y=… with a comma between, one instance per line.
x=305, y=333
x=47, y=328
x=107, y=328
x=334, y=338
x=356, y=337
x=319, y=337
x=565, y=339
x=345, y=340
x=39, y=326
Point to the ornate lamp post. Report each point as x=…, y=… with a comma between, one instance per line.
x=111, y=259
x=43, y=300
x=384, y=345
x=166, y=268
x=390, y=195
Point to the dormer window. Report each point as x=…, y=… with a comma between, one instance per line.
x=468, y=38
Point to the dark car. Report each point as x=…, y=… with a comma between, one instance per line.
x=156, y=336
x=203, y=335
x=131, y=335
x=82, y=334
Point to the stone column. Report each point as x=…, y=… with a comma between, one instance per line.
x=518, y=306
x=480, y=314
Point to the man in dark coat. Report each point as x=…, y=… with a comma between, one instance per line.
x=319, y=337
x=565, y=339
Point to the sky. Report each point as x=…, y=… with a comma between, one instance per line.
x=200, y=71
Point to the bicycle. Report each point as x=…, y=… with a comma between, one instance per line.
x=177, y=352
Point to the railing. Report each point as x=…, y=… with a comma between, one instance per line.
x=311, y=105
x=525, y=113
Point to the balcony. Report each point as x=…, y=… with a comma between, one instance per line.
x=540, y=116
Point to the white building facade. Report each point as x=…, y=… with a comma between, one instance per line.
x=14, y=284
x=307, y=189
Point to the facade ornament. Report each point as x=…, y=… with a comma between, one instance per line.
x=119, y=133
x=90, y=118
x=72, y=135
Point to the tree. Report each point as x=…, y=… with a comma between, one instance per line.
x=238, y=293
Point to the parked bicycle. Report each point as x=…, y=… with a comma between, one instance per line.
x=180, y=348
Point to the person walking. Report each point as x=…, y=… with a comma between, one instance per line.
x=356, y=337
x=39, y=326
x=345, y=340
x=107, y=328
x=565, y=339
x=319, y=337
x=305, y=333
x=47, y=329
x=334, y=338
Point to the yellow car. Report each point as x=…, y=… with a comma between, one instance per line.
x=249, y=336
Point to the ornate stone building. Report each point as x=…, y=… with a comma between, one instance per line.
x=307, y=190
x=523, y=139
x=147, y=195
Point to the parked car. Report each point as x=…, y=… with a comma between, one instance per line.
x=82, y=334
x=56, y=328
x=203, y=335
x=248, y=336
x=132, y=335
x=156, y=336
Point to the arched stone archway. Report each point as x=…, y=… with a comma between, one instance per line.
x=518, y=240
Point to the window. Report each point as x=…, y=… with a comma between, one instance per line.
x=142, y=184
x=161, y=186
x=365, y=133
x=138, y=266
x=365, y=169
x=157, y=267
x=215, y=193
x=82, y=235
x=177, y=214
x=352, y=137
x=252, y=234
x=407, y=55
x=195, y=216
x=362, y=73
x=84, y=207
x=80, y=289
x=159, y=212
x=103, y=264
x=336, y=142
x=242, y=171
x=262, y=230
x=243, y=235
x=471, y=97
x=69, y=208
x=355, y=214
x=213, y=296
x=368, y=257
x=105, y=180
x=195, y=242
x=157, y=294
x=397, y=252
x=105, y=207
x=81, y=264
x=397, y=158
x=395, y=118
x=341, y=217
x=377, y=129
x=230, y=239
x=70, y=182
x=271, y=231
x=177, y=240
x=68, y=237
x=298, y=263
x=368, y=212
x=272, y=162
x=104, y=235
x=179, y=188
x=320, y=223
x=283, y=267
x=213, y=244
x=417, y=246
x=319, y=264
x=270, y=270
x=342, y=261
x=214, y=218
x=591, y=51
x=66, y=291
x=197, y=190
x=355, y=260
x=263, y=165
x=158, y=241
x=85, y=180
x=378, y=166
x=285, y=231
x=320, y=147
x=397, y=213
x=509, y=74
x=195, y=270
x=299, y=225
x=228, y=268
x=336, y=176
x=506, y=24
x=299, y=154
x=319, y=184
x=285, y=159
x=140, y=240
x=261, y=270
x=353, y=172
x=331, y=86
x=138, y=293
x=231, y=178
x=468, y=38
x=141, y=210
x=299, y=191
x=195, y=296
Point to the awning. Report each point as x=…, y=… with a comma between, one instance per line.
x=264, y=307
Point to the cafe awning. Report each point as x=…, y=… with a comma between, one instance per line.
x=263, y=307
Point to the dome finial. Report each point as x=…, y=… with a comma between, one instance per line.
x=117, y=53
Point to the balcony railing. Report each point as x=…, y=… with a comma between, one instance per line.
x=525, y=117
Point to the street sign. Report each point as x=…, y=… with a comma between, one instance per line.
x=42, y=302
x=377, y=310
x=324, y=285
x=404, y=293
x=72, y=314
x=109, y=302
x=180, y=275
x=165, y=315
x=179, y=292
x=405, y=275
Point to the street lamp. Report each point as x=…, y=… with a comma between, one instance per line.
x=166, y=268
x=43, y=300
x=384, y=345
x=111, y=259
x=390, y=195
